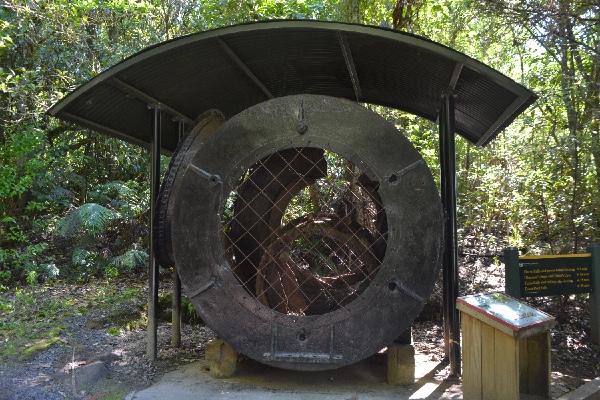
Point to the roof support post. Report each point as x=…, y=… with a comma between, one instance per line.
x=450, y=257
x=176, y=294
x=153, y=271
x=176, y=310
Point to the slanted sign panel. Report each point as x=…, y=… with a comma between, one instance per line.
x=555, y=275
x=503, y=312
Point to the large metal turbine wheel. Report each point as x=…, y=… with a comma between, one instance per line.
x=306, y=230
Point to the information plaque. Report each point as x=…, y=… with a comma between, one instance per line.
x=555, y=275
x=504, y=312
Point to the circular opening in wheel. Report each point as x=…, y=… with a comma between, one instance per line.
x=305, y=231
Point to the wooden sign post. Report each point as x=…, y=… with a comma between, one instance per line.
x=537, y=276
x=506, y=348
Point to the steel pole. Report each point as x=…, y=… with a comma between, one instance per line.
x=176, y=294
x=450, y=258
x=594, y=249
x=152, y=327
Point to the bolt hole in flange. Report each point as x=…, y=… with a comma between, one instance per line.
x=302, y=335
x=297, y=256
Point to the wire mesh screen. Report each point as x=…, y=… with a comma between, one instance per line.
x=305, y=231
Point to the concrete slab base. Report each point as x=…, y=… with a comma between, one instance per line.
x=588, y=391
x=365, y=380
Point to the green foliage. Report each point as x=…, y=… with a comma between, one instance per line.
x=536, y=186
x=189, y=315
x=114, y=331
x=131, y=260
x=214, y=14
x=88, y=219
x=74, y=203
x=47, y=167
x=25, y=263
x=92, y=226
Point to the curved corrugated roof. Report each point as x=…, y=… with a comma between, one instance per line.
x=236, y=67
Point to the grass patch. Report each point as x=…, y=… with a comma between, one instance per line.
x=37, y=346
x=33, y=318
x=123, y=310
x=123, y=316
x=30, y=321
x=114, y=331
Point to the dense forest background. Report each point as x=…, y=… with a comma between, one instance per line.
x=75, y=204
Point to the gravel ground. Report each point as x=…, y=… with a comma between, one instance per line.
x=94, y=355
x=90, y=364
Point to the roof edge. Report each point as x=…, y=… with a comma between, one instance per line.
x=414, y=40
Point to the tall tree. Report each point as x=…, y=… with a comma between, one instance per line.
x=567, y=34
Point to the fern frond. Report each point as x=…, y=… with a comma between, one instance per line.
x=119, y=191
x=131, y=260
x=82, y=258
x=127, y=197
x=89, y=218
